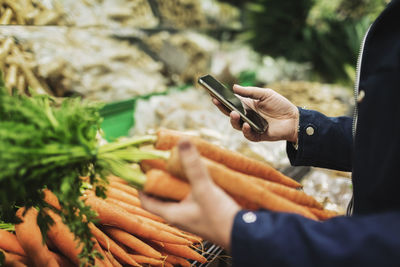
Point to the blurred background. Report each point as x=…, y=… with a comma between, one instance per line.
x=142, y=59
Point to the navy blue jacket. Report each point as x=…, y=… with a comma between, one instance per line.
x=371, y=236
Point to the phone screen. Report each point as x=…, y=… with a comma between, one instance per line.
x=224, y=92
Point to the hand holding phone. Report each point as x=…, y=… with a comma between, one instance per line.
x=232, y=103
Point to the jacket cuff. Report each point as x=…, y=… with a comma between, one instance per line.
x=308, y=139
x=247, y=228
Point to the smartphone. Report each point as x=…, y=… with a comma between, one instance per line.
x=232, y=103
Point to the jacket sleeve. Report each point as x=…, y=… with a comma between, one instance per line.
x=265, y=238
x=323, y=141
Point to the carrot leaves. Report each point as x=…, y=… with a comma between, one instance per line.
x=51, y=143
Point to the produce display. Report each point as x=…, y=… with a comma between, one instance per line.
x=59, y=185
x=70, y=198
x=109, y=13
x=88, y=62
x=181, y=13
x=186, y=55
x=17, y=66
x=30, y=12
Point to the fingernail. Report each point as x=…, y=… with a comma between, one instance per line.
x=184, y=145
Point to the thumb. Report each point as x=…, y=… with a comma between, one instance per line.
x=255, y=93
x=194, y=168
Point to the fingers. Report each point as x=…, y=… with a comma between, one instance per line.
x=166, y=210
x=221, y=107
x=252, y=92
x=250, y=134
x=194, y=168
x=235, y=120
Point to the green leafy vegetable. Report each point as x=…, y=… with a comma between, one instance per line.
x=46, y=143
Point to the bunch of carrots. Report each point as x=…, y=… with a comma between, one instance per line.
x=252, y=183
x=127, y=235
x=124, y=235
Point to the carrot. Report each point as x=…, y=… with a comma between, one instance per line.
x=175, y=260
x=105, y=261
x=184, y=251
x=9, y=242
x=134, y=209
x=162, y=227
x=167, y=139
x=126, y=188
x=122, y=196
x=51, y=199
x=153, y=262
x=162, y=184
x=109, y=245
x=117, y=179
x=63, y=238
x=238, y=184
x=197, y=238
x=115, y=216
x=149, y=164
x=132, y=242
x=111, y=258
x=14, y=260
x=244, y=203
x=292, y=194
x=61, y=260
x=323, y=214
x=30, y=238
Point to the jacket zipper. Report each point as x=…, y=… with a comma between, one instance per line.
x=350, y=207
x=357, y=83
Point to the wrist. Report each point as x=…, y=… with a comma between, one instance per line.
x=295, y=128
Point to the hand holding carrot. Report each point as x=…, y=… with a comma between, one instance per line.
x=207, y=210
x=281, y=114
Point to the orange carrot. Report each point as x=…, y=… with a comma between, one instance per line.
x=122, y=196
x=323, y=215
x=244, y=203
x=111, y=258
x=238, y=184
x=149, y=164
x=163, y=227
x=197, y=238
x=132, y=242
x=184, y=251
x=30, y=238
x=292, y=194
x=134, y=209
x=109, y=245
x=14, y=260
x=51, y=199
x=9, y=242
x=147, y=260
x=175, y=260
x=64, y=239
x=105, y=261
x=61, y=260
x=162, y=184
x=117, y=179
x=126, y=188
x=167, y=139
x=115, y=216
